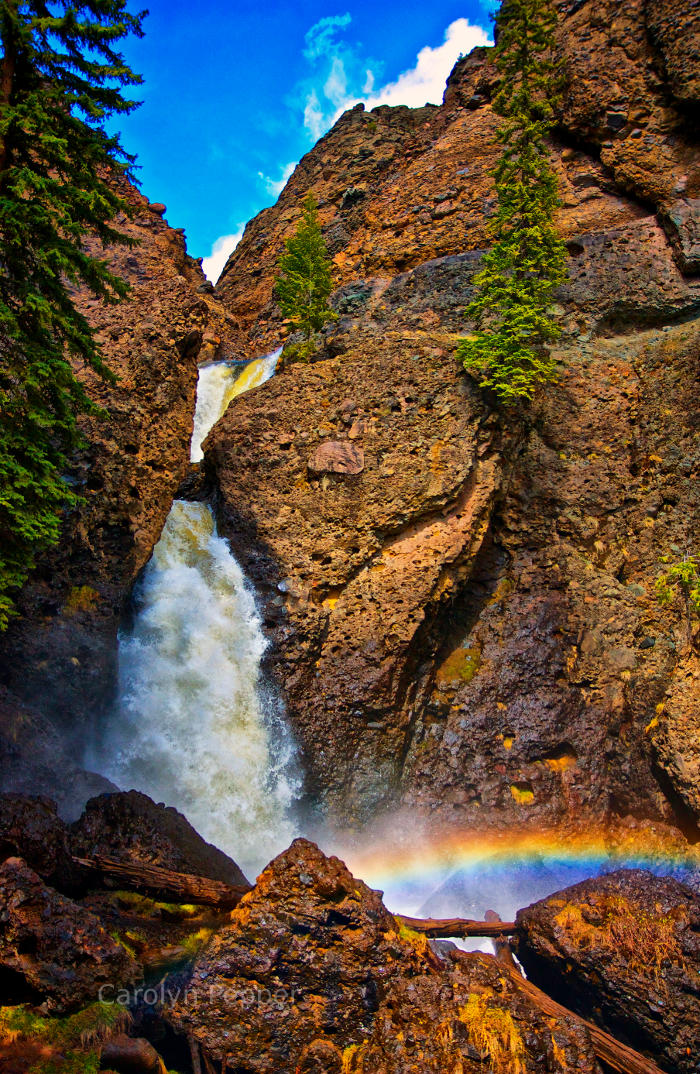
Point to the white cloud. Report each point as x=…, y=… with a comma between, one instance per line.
x=320, y=39
x=221, y=250
x=338, y=72
x=346, y=79
x=276, y=186
x=314, y=119
x=425, y=82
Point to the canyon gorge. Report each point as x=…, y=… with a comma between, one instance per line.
x=349, y=601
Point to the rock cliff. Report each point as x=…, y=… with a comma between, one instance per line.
x=57, y=658
x=462, y=611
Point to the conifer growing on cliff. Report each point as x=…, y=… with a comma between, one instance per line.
x=511, y=307
x=61, y=77
x=304, y=282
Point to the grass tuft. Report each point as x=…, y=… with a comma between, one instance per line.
x=494, y=1034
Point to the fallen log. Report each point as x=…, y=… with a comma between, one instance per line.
x=166, y=884
x=619, y=1057
x=445, y=927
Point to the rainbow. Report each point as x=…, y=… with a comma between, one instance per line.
x=414, y=867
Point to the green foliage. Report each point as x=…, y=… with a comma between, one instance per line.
x=682, y=577
x=304, y=282
x=74, y=1042
x=60, y=79
x=511, y=307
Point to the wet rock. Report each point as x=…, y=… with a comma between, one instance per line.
x=623, y=950
x=195, y=486
x=313, y=974
x=31, y=829
x=337, y=457
x=53, y=953
x=129, y=826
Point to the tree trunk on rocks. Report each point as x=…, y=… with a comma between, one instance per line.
x=178, y=887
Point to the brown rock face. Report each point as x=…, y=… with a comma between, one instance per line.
x=59, y=654
x=354, y=565
x=623, y=950
x=314, y=975
x=469, y=626
x=398, y=187
x=30, y=829
x=674, y=28
x=53, y=951
x=130, y=827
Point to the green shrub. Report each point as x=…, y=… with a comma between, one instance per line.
x=59, y=177
x=304, y=282
x=681, y=578
x=511, y=308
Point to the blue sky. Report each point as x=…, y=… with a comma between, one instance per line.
x=234, y=94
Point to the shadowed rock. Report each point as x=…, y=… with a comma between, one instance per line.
x=31, y=829
x=53, y=952
x=129, y=826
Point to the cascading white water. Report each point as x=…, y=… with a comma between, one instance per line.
x=190, y=728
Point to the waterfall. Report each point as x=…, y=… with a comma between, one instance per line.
x=191, y=728
x=217, y=385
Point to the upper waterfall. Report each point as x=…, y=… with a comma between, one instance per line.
x=219, y=383
x=190, y=728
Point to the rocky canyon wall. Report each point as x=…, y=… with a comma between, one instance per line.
x=462, y=609
x=57, y=659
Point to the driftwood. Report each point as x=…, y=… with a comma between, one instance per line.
x=443, y=928
x=166, y=884
x=616, y=1055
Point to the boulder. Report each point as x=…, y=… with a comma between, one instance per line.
x=129, y=826
x=624, y=951
x=31, y=829
x=53, y=952
x=313, y=975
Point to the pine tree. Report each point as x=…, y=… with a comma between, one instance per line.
x=511, y=307
x=60, y=79
x=304, y=282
